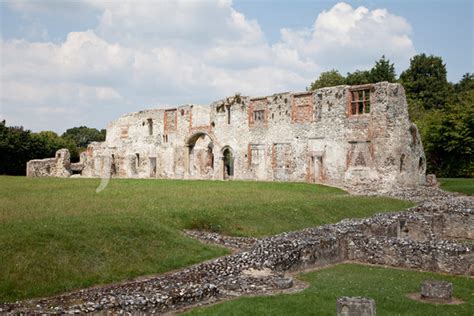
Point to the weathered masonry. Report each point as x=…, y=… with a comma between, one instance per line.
x=343, y=136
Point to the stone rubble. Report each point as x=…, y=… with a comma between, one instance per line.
x=226, y=241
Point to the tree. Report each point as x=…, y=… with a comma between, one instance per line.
x=52, y=142
x=466, y=83
x=383, y=71
x=14, y=149
x=448, y=137
x=425, y=81
x=444, y=113
x=83, y=135
x=327, y=79
x=358, y=77
x=18, y=146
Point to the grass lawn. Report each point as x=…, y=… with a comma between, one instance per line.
x=58, y=234
x=462, y=185
x=386, y=286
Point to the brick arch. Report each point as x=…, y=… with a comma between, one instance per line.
x=194, y=137
x=200, y=160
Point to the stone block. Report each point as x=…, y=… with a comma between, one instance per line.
x=355, y=306
x=434, y=289
x=284, y=283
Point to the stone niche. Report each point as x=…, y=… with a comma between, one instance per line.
x=434, y=289
x=355, y=306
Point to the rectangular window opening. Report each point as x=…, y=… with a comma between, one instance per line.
x=258, y=116
x=150, y=126
x=360, y=102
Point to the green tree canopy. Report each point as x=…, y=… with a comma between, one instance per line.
x=448, y=137
x=15, y=149
x=18, y=146
x=383, y=70
x=466, y=83
x=425, y=81
x=83, y=135
x=358, y=77
x=327, y=79
x=52, y=142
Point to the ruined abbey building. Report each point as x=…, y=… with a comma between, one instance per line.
x=346, y=136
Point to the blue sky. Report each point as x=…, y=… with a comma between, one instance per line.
x=71, y=63
x=442, y=28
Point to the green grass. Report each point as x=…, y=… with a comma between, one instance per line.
x=58, y=234
x=386, y=286
x=461, y=185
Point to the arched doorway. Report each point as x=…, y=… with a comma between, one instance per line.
x=228, y=163
x=200, y=156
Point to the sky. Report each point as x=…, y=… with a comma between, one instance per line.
x=72, y=63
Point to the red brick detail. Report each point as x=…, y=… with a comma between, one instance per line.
x=369, y=87
x=170, y=121
x=348, y=102
x=302, y=108
x=249, y=154
x=200, y=129
x=260, y=104
x=274, y=154
x=89, y=151
x=124, y=132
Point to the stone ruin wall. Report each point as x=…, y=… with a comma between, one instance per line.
x=420, y=238
x=59, y=166
x=310, y=136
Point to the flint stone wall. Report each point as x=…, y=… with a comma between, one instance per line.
x=40, y=167
x=377, y=240
x=438, y=256
x=59, y=166
x=306, y=137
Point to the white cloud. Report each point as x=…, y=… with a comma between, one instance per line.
x=349, y=38
x=145, y=54
x=187, y=24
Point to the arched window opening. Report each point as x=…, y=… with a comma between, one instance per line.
x=137, y=161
